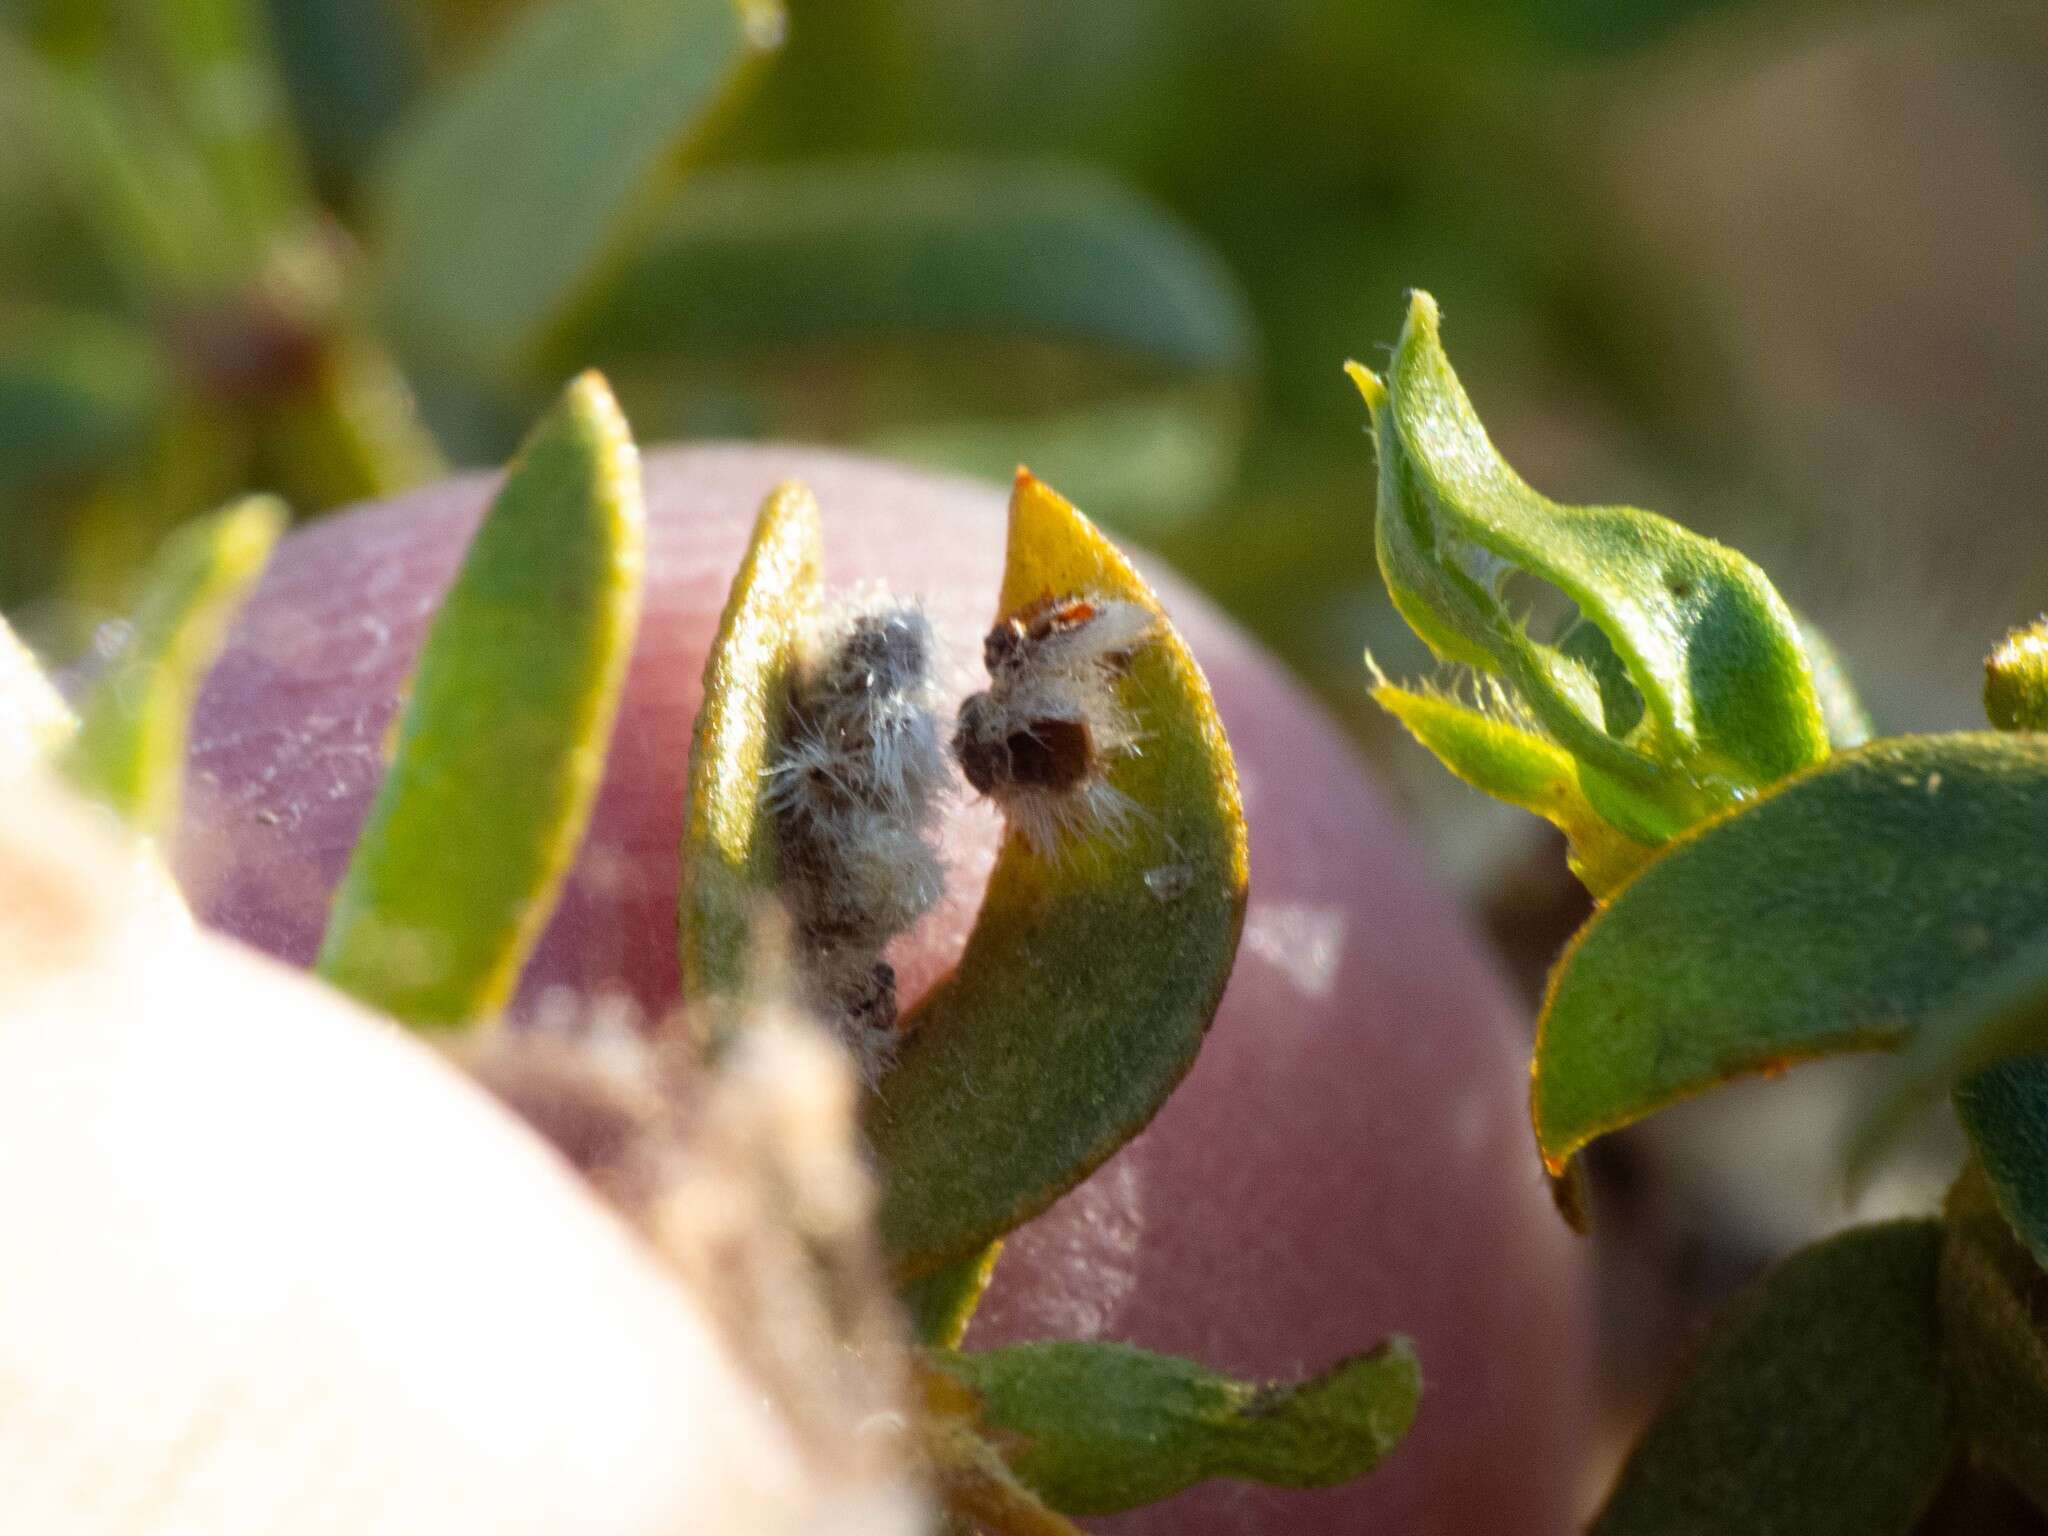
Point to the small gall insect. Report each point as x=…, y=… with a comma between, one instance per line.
x=1040, y=740
x=855, y=788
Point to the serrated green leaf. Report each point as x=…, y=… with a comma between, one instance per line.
x=1723, y=695
x=129, y=750
x=1815, y=1407
x=1085, y=987
x=763, y=258
x=1097, y=1428
x=728, y=852
x=503, y=739
x=1521, y=767
x=942, y=1303
x=35, y=722
x=2016, y=680
x=1839, y=912
x=1994, y=1323
x=502, y=203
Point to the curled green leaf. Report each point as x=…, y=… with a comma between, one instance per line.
x=1679, y=687
x=1096, y=1428
x=728, y=852
x=2016, y=680
x=500, y=206
x=1091, y=975
x=942, y=1303
x=1840, y=912
x=129, y=750
x=1815, y=1407
x=503, y=739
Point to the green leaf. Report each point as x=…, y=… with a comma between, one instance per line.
x=35, y=722
x=2004, y=1111
x=502, y=743
x=756, y=259
x=129, y=750
x=1815, y=1407
x=1511, y=762
x=2016, y=680
x=942, y=1303
x=728, y=852
x=1088, y=981
x=503, y=202
x=1840, y=912
x=76, y=391
x=1994, y=1323
x=1097, y=1428
x=1841, y=707
x=1723, y=696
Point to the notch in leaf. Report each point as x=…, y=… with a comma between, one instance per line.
x=502, y=741
x=1677, y=685
x=1097, y=1428
x=129, y=748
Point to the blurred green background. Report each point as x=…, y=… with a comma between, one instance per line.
x=1779, y=270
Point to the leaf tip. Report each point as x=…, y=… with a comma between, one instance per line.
x=1371, y=387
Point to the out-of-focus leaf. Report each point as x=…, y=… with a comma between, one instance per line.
x=2000, y=1014
x=223, y=78
x=1097, y=1428
x=1994, y=1324
x=76, y=391
x=728, y=853
x=351, y=433
x=500, y=204
x=942, y=1303
x=796, y=257
x=1723, y=697
x=2016, y=680
x=129, y=750
x=504, y=736
x=1841, y=707
x=35, y=722
x=1156, y=461
x=1815, y=1407
x=2004, y=1111
x=1839, y=912
x=1085, y=987
x=1521, y=767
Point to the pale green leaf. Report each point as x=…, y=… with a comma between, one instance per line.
x=129, y=750
x=503, y=739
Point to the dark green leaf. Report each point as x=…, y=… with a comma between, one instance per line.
x=503, y=739
x=1815, y=1407
x=728, y=852
x=1839, y=912
x=764, y=258
x=130, y=747
x=1089, y=979
x=76, y=391
x=1725, y=696
x=1096, y=1428
x=1994, y=1321
x=942, y=1303
x=500, y=205
x=2004, y=1111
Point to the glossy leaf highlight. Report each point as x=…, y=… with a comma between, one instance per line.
x=728, y=852
x=1814, y=1408
x=1683, y=685
x=129, y=750
x=503, y=739
x=501, y=204
x=1085, y=988
x=1097, y=1428
x=1840, y=912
